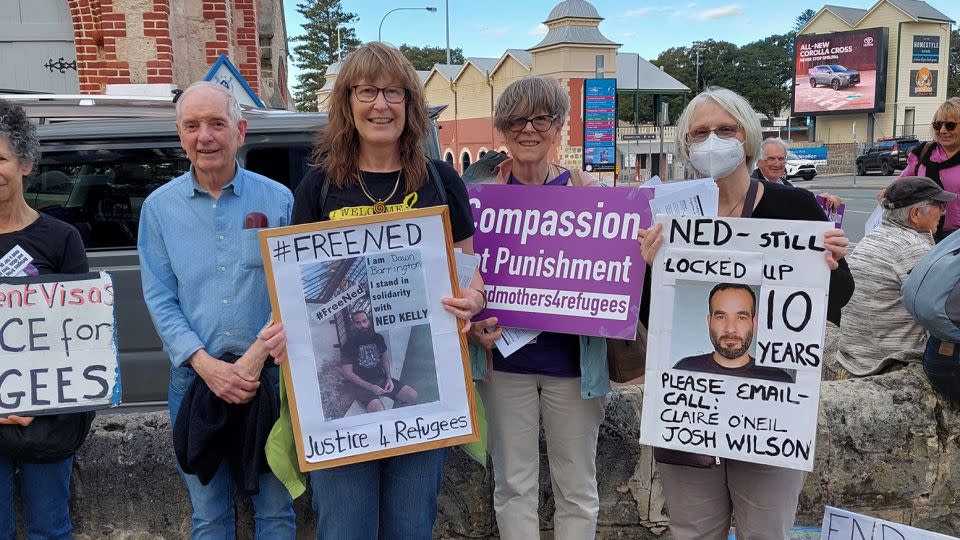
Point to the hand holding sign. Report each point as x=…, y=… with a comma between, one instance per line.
x=835, y=242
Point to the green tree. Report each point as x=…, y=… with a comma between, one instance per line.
x=316, y=48
x=953, y=72
x=803, y=19
x=423, y=58
x=682, y=62
x=761, y=72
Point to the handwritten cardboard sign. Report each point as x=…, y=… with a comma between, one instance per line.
x=734, y=350
x=845, y=525
x=58, y=346
x=377, y=367
x=561, y=260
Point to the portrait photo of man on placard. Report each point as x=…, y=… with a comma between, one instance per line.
x=731, y=323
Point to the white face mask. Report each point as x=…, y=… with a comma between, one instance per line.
x=716, y=157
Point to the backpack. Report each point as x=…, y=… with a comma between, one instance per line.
x=931, y=293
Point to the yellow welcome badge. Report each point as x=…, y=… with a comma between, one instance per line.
x=409, y=202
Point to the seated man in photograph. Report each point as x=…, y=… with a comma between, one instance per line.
x=365, y=365
x=877, y=334
x=732, y=321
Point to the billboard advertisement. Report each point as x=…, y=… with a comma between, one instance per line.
x=599, y=124
x=842, y=72
x=926, y=49
x=923, y=82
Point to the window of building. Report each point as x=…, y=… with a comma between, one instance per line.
x=448, y=157
x=465, y=160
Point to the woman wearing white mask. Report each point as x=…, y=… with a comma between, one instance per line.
x=719, y=135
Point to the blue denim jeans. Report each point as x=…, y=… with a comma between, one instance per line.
x=943, y=367
x=45, y=493
x=213, y=504
x=390, y=498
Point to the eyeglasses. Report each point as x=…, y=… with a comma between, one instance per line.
x=540, y=123
x=949, y=125
x=724, y=132
x=366, y=93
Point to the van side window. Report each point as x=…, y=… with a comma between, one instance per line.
x=101, y=191
x=286, y=165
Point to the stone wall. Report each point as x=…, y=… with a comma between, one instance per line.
x=841, y=159
x=887, y=446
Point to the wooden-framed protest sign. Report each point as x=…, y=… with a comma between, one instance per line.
x=561, y=260
x=735, y=340
x=376, y=366
x=58, y=344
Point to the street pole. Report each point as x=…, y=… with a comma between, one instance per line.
x=446, y=10
x=380, y=28
x=339, y=49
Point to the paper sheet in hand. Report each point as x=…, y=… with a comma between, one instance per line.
x=512, y=339
x=691, y=198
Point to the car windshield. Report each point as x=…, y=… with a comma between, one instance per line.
x=838, y=67
x=886, y=145
x=791, y=156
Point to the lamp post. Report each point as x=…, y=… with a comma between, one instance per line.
x=380, y=29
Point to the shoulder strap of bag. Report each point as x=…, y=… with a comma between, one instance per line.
x=437, y=182
x=324, y=190
x=750, y=198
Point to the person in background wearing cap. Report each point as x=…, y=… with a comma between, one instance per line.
x=877, y=334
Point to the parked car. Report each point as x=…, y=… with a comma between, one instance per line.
x=798, y=167
x=886, y=156
x=835, y=75
x=96, y=175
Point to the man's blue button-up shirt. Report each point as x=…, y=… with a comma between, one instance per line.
x=203, y=278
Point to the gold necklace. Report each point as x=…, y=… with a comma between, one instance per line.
x=379, y=205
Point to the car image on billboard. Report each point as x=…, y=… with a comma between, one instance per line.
x=842, y=72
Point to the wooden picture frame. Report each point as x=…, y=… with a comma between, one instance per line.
x=394, y=268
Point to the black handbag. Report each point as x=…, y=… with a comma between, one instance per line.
x=687, y=459
x=47, y=439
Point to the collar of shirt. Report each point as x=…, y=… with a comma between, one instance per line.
x=235, y=185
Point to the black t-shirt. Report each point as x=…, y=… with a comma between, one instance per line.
x=705, y=364
x=352, y=202
x=55, y=246
x=364, y=352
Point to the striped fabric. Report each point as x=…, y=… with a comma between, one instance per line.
x=875, y=329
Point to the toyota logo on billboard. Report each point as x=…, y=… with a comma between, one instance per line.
x=868, y=41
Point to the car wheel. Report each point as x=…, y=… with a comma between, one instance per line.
x=860, y=170
x=813, y=82
x=886, y=169
x=835, y=84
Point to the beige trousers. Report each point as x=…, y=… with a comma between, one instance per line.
x=762, y=498
x=514, y=404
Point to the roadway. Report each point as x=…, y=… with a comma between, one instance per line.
x=859, y=193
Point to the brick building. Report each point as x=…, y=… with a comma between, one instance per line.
x=89, y=45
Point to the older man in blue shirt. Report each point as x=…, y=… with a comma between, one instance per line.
x=204, y=284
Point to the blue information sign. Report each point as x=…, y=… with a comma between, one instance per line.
x=599, y=124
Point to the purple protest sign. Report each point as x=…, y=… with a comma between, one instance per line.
x=561, y=260
x=836, y=216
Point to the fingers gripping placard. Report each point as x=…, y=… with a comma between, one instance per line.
x=737, y=321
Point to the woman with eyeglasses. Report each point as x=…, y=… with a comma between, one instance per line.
x=560, y=378
x=939, y=160
x=371, y=160
x=718, y=134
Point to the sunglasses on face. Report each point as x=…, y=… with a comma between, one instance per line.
x=949, y=125
x=540, y=123
x=724, y=132
x=366, y=93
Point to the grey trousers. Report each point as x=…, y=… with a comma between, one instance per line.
x=700, y=501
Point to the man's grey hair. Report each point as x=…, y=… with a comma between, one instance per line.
x=737, y=106
x=233, y=106
x=902, y=215
x=771, y=141
x=529, y=95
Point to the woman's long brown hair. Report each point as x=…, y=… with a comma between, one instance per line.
x=337, y=149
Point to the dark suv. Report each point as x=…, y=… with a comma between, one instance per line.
x=886, y=156
x=835, y=75
x=96, y=174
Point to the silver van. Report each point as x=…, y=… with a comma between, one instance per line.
x=95, y=175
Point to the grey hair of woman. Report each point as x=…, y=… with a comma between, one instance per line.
x=735, y=105
x=233, y=106
x=775, y=141
x=528, y=96
x=901, y=216
x=19, y=133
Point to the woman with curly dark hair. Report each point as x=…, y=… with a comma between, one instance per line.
x=54, y=248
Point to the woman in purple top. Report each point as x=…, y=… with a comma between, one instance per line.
x=542, y=379
x=940, y=161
